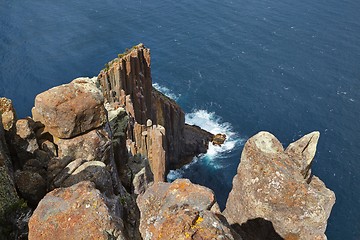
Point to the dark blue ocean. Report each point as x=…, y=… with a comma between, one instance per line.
x=241, y=66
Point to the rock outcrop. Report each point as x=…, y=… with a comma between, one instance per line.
x=70, y=109
x=77, y=212
x=8, y=115
x=274, y=185
x=126, y=81
x=181, y=210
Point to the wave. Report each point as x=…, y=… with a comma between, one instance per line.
x=214, y=124
x=166, y=91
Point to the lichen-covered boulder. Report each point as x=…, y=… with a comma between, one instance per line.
x=181, y=210
x=71, y=109
x=8, y=115
x=77, y=212
x=274, y=185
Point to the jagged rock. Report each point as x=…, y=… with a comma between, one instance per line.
x=127, y=81
x=142, y=179
x=93, y=145
x=24, y=141
x=196, y=141
x=218, y=139
x=49, y=147
x=130, y=74
x=55, y=166
x=8, y=114
x=77, y=212
x=167, y=113
x=181, y=210
x=155, y=142
x=270, y=185
x=303, y=152
x=70, y=109
x=31, y=186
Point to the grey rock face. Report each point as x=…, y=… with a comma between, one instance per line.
x=273, y=185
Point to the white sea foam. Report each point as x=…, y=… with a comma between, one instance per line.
x=214, y=124
x=166, y=91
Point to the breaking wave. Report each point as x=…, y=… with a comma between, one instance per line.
x=214, y=124
x=166, y=91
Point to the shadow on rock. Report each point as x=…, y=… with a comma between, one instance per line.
x=257, y=229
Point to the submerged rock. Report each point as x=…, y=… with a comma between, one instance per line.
x=70, y=109
x=76, y=212
x=272, y=185
x=181, y=210
x=218, y=139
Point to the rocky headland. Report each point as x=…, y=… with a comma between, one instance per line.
x=91, y=163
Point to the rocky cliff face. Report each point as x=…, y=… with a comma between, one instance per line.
x=181, y=210
x=275, y=185
x=126, y=81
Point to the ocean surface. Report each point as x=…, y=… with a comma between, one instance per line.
x=239, y=67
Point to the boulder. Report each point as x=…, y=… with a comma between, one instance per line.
x=24, y=141
x=31, y=186
x=271, y=185
x=93, y=145
x=77, y=212
x=8, y=115
x=70, y=109
x=93, y=171
x=181, y=210
x=48, y=147
x=218, y=139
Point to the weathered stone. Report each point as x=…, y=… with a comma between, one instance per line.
x=8, y=114
x=218, y=139
x=93, y=145
x=66, y=172
x=142, y=179
x=270, y=186
x=49, y=147
x=180, y=210
x=196, y=141
x=93, y=171
x=55, y=166
x=130, y=74
x=70, y=109
x=167, y=113
x=31, y=186
x=24, y=140
x=155, y=141
x=303, y=152
x=76, y=212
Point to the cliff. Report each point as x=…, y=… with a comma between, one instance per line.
x=92, y=161
x=126, y=82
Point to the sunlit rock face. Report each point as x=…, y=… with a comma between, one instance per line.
x=274, y=184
